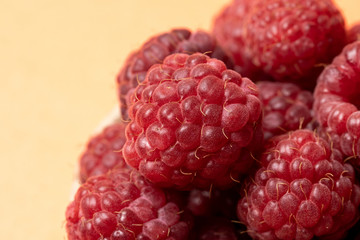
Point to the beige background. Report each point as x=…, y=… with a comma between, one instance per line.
x=58, y=61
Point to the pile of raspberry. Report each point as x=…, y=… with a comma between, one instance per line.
x=248, y=131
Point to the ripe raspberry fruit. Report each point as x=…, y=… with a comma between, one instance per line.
x=123, y=205
x=303, y=189
x=193, y=123
x=285, y=107
x=228, y=28
x=353, y=34
x=337, y=102
x=156, y=49
x=288, y=39
x=103, y=152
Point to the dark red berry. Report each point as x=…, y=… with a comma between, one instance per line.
x=191, y=131
x=302, y=190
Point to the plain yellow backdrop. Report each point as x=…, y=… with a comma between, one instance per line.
x=58, y=61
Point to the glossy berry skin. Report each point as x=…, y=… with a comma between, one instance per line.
x=154, y=51
x=288, y=39
x=301, y=190
x=286, y=107
x=353, y=33
x=123, y=205
x=337, y=102
x=103, y=152
x=193, y=123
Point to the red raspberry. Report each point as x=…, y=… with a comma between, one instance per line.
x=353, y=34
x=191, y=120
x=123, y=205
x=103, y=152
x=287, y=39
x=303, y=189
x=285, y=107
x=156, y=49
x=229, y=29
x=337, y=102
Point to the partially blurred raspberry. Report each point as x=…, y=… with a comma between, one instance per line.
x=156, y=49
x=229, y=30
x=288, y=39
x=337, y=102
x=103, y=152
x=302, y=190
x=123, y=205
x=285, y=107
x=193, y=123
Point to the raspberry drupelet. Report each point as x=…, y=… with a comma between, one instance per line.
x=103, y=152
x=302, y=190
x=194, y=123
x=337, y=102
x=286, y=107
x=123, y=205
x=156, y=49
x=288, y=39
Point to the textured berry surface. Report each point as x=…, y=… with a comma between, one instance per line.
x=228, y=28
x=302, y=189
x=123, y=205
x=353, y=34
x=287, y=39
x=103, y=152
x=337, y=102
x=285, y=107
x=193, y=123
x=156, y=49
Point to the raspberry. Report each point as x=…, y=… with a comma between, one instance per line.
x=123, y=205
x=228, y=28
x=285, y=107
x=353, y=34
x=156, y=49
x=194, y=123
x=337, y=102
x=103, y=152
x=287, y=39
x=302, y=189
